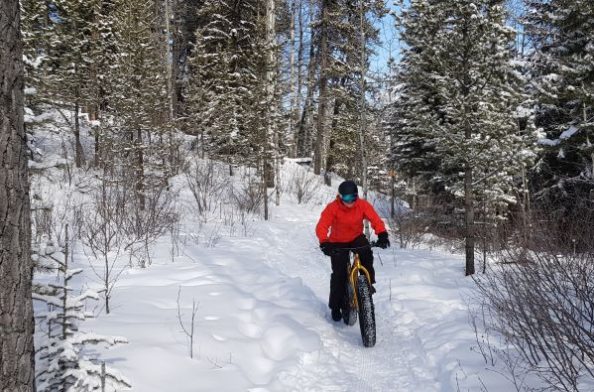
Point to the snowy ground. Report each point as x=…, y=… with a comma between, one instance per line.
x=263, y=323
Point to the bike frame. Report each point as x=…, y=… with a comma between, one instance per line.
x=355, y=268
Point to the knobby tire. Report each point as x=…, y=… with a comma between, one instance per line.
x=366, y=312
x=349, y=312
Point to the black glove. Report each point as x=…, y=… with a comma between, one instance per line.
x=327, y=248
x=382, y=240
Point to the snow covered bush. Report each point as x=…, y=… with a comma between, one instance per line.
x=64, y=361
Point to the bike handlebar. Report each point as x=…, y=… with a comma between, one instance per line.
x=372, y=244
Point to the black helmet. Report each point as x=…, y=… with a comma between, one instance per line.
x=348, y=188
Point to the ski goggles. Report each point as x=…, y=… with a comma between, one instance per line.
x=351, y=197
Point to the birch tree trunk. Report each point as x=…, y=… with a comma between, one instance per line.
x=269, y=149
x=303, y=128
x=16, y=310
x=292, y=91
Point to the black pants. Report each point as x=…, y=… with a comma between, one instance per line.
x=339, y=268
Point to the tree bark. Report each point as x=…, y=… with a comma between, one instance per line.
x=140, y=170
x=468, y=174
x=16, y=310
x=292, y=91
x=469, y=215
x=300, y=49
x=79, y=153
x=269, y=144
x=330, y=156
x=303, y=129
x=270, y=152
x=324, y=54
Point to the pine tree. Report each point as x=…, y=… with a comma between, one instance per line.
x=563, y=86
x=465, y=99
x=224, y=75
x=304, y=124
x=137, y=105
x=36, y=37
x=417, y=103
x=60, y=53
x=347, y=32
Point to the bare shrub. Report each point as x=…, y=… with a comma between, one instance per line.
x=238, y=221
x=206, y=181
x=188, y=329
x=429, y=225
x=542, y=300
x=499, y=357
x=248, y=196
x=103, y=235
x=146, y=222
x=212, y=236
x=304, y=185
x=410, y=227
x=42, y=222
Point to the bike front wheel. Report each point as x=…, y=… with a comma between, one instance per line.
x=349, y=310
x=366, y=311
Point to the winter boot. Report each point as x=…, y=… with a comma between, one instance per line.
x=336, y=314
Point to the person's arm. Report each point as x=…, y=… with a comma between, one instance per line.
x=324, y=223
x=376, y=222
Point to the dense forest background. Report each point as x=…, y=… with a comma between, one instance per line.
x=483, y=121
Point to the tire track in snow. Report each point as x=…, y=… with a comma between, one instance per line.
x=392, y=364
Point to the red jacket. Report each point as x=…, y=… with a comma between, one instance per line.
x=346, y=224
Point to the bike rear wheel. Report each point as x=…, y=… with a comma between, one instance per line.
x=366, y=312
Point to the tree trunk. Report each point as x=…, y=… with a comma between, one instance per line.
x=106, y=281
x=269, y=145
x=292, y=74
x=300, y=49
x=469, y=215
x=468, y=191
x=324, y=54
x=17, y=368
x=303, y=129
x=264, y=188
x=330, y=156
x=79, y=153
x=169, y=61
x=362, y=108
x=140, y=170
x=65, y=288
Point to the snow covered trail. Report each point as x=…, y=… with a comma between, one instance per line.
x=263, y=323
x=342, y=364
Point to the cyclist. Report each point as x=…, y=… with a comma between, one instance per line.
x=343, y=218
